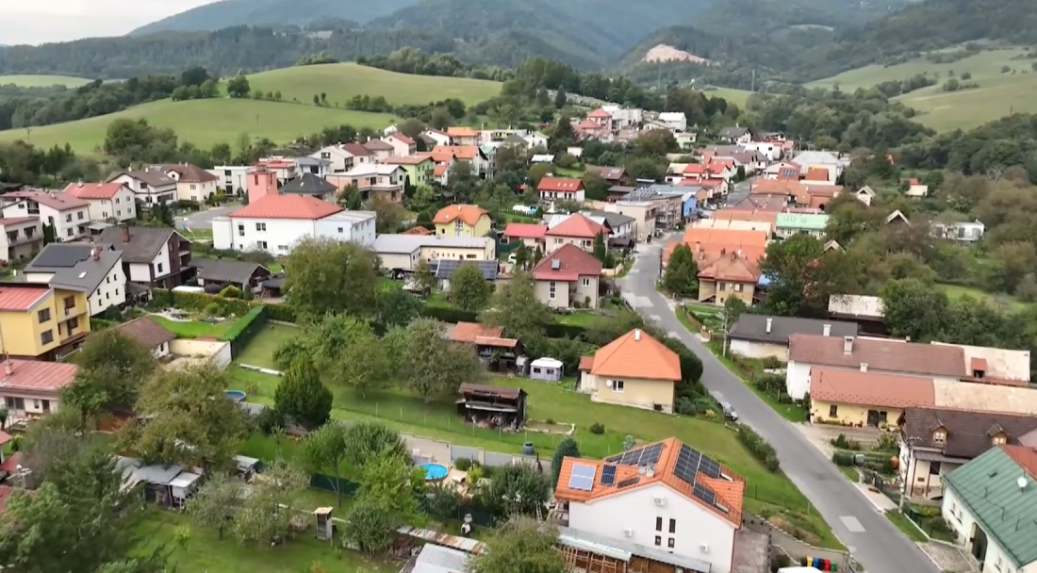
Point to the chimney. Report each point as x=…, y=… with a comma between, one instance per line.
x=827, y=330
x=8, y=367
x=847, y=344
x=95, y=253
x=698, y=246
x=125, y=234
x=769, y=321
x=637, y=334
x=864, y=366
x=80, y=182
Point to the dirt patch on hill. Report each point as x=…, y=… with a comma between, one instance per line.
x=664, y=53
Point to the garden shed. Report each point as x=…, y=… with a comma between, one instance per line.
x=548, y=369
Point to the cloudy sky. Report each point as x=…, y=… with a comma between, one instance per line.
x=37, y=21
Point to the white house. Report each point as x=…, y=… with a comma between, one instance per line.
x=674, y=121
x=759, y=336
x=149, y=334
x=402, y=145
x=967, y=232
x=20, y=237
x=149, y=186
x=192, y=183
x=233, y=179
x=109, y=202
x=275, y=223
x=94, y=270
x=536, y=139
x=68, y=215
x=440, y=137
x=664, y=497
x=772, y=150
x=152, y=257
x=991, y=504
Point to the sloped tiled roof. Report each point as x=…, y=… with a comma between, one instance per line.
x=573, y=262
x=968, y=434
x=637, y=355
x=443, y=153
x=146, y=331
x=57, y=201
x=870, y=389
x=578, y=225
x=356, y=150
x=378, y=145
x=308, y=184
x=461, y=132
x=469, y=214
x=888, y=355
x=287, y=207
x=525, y=231
x=777, y=329
x=37, y=375
x=559, y=184
x=189, y=173
x=92, y=190
x=606, y=173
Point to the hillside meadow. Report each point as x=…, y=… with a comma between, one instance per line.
x=999, y=93
x=43, y=81
x=343, y=81
x=204, y=122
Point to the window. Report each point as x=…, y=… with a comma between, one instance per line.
x=68, y=218
x=70, y=302
x=1000, y=439
x=469, y=256
x=738, y=287
x=340, y=229
x=282, y=248
x=68, y=232
x=558, y=241
x=586, y=282
x=193, y=187
x=934, y=468
x=241, y=230
x=658, y=541
x=104, y=214
x=999, y=563
x=43, y=315
x=833, y=411
x=73, y=323
x=80, y=216
x=260, y=226
x=159, y=266
x=551, y=290
x=617, y=385
x=47, y=337
x=669, y=543
x=939, y=436
x=36, y=404
x=658, y=524
x=673, y=528
x=262, y=244
x=723, y=286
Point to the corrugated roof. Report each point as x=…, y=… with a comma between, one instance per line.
x=36, y=375
x=21, y=298
x=637, y=355
x=988, y=489
x=870, y=389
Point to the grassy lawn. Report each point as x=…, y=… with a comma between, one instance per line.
x=205, y=122
x=343, y=81
x=851, y=473
x=194, y=328
x=955, y=292
x=738, y=97
x=43, y=81
x=906, y=525
x=203, y=552
x=578, y=318
x=260, y=350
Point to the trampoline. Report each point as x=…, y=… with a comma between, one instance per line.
x=434, y=472
x=236, y=395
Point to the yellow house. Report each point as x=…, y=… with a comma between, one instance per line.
x=633, y=370
x=41, y=322
x=462, y=221
x=866, y=399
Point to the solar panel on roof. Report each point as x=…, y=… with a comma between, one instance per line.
x=60, y=256
x=582, y=477
x=687, y=465
x=705, y=495
x=445, y=268
x=608, y=475
x=709, y=467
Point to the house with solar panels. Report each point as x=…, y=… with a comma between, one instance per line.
x=665, y=503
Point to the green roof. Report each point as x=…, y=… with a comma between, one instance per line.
x=806, y=221
x=988, y=487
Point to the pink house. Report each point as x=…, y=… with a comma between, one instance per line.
x=261, y=182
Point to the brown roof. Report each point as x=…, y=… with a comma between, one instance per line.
x=402, y=138
x=637, y=355
x=58, y=201
x=417, y=159
x=728, y=489
x=153, y=177
x=968, y=434
x=606, y=173
x=469, y=214
x=1025, y=457
x=36, y=376
x=378, y=145
x=500, y=391
x=870, y=389
x=817, y=174
x=469, y=331
x=573, y=262
x=146, y=331
x=417, y=231
x=887, y=355
x=356, y=150
x=189, y=173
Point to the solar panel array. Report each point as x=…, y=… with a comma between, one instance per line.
x=645, y=456
x=445, y=268
x=608, y=475
x=582, y=477
x=689, y=464
x=705, y=495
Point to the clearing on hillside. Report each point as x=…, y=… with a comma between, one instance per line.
x=43, y=81
x=737, y=97
x=343, y=81
x=664, y=53
x=204, y=122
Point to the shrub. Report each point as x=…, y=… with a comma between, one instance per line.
x=549, y=421
x=758, y=447
x=449, y=314
x=771, y=383
x=463, y=464
x=841, y=442
x=212, y=309
x=269, y=420
x=887, y=443
x=230, y=291
x=927, y=511
x=772, y=363
x=597, y=428
x=842, y=459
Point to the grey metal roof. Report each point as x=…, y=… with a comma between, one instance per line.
x=73, y=265
x=733, y=131
x=308, y=184
x=222, y=270
x=615, y=220
x=753, y=327
x=311, y=162
x=144, y=243
x=402, y=244
x=438, y=559
x=153, y=177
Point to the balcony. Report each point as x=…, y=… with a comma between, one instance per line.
x=21, y=239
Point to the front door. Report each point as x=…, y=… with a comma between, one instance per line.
x=873, y=418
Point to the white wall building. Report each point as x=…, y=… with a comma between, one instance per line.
x=231, y=178
x=97, y=272
x=149, y=186
x=674, y=121
x=68, y=215
x=109, y=202
x=275, y=223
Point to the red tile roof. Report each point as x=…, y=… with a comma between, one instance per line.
x=469, y=214
x=637, y=355
x=1025, y=457
x=443, y=153
x=574, y=262
x=560, y=184
x=871, y=389
x=402, y=139
x=287, y=207
x=10, y=464
x=461, y=132
x=417, y=231
x=36, y=375
x=525, y=231
x=577, y=225
x=440, y=170
x=817, y=174
x=469, y=331
x=695, y=169
x=20, y=298
x=92, y=190
x=406, y=159
x=58, y=201
x=599, y=113
x=586, y=363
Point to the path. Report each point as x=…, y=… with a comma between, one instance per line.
x=869, y=536
x=203, y=219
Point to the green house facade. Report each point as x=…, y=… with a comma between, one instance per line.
x=788, y=224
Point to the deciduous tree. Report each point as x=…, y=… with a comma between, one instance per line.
x=397, y=307
x=216, y=502
x=431, y=365
x=469, y=290
x=567, y=448
x=324, y=450
x=916, y=309
x=261, y=518
x=238, y=87
x=423, y=276
x=325, y=276
x=371, y=526
x=520, y=546
x=515, y=307
x=368, y=440
x=112, y=368
x=517, y=490
x=682, y=273
x=302, y=396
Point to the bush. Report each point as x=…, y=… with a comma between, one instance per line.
x=842, y=459
x=269, y=420
x=230, y=291
x=559, y=330
x=597, y=428
x=771, y=383
x=758, y=447
x=845, y=443
x=280, y=312
x=772, y=363
x=927, y=511
x=463, y=464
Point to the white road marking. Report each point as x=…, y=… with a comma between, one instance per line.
x=852, y=523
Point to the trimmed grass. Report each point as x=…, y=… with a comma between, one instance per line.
x=29, y=81
x=956, y=292
x=194, y=328
x=260, y=350
x=906, y=526
x=204, y=123
x=343, y=81
x=577, y=318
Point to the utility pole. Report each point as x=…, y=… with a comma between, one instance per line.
x=28, y=132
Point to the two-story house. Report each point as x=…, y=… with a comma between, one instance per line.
x=372, y=179
x=379, y=149
x=665, y=502
x=420, y=167
x=633, y=370
x=445, y=155
x=233, y=179
x=31, y=388
x=310, y=185
x=568, y=278
x=41, y=322
x=192, y=183
x=462, y=221
x=95, y=270
x=436, y=137
x=342, y=158
x=276, y=223
x=576, y=229
x=149, y=186
x=109, y=202
x=533, y=235
x=561, y=189
x=312, y=165
x=20, y=237
x=401, y=253
x=463, y=136
x=152, y=257
x=402, y=145
x=67, y=215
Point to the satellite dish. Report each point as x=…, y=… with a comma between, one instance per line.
x=1021, y=482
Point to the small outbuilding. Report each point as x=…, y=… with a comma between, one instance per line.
x=548, y=369
x=492, y=406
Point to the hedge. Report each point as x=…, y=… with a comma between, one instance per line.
x=758, y=447
x=198, y=302
x=455, y=315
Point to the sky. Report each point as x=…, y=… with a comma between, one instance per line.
x=39, y=21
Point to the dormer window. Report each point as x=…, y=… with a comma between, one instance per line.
x=1000, y=439
x=940, y=436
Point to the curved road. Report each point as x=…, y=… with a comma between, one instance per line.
x=878, y=545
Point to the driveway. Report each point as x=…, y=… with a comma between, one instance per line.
x=203, y=219
x=869, y=536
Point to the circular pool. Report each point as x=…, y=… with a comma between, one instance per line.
x=434, y=472
x=236, y=395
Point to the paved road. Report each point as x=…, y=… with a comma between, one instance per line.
x=203, y=219
x=871, y=538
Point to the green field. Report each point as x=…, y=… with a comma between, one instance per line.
x=343, y=81
x=737, y=97
x=205, y=122
x=955, y=292
x=999, y=94
x=43, y=81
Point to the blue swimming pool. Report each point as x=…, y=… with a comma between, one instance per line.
x=434, y=472
x=236, y=395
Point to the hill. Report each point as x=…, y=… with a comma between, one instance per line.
x=205, y=122
x=30, y=81
x=228, y=13
x=343, y=81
